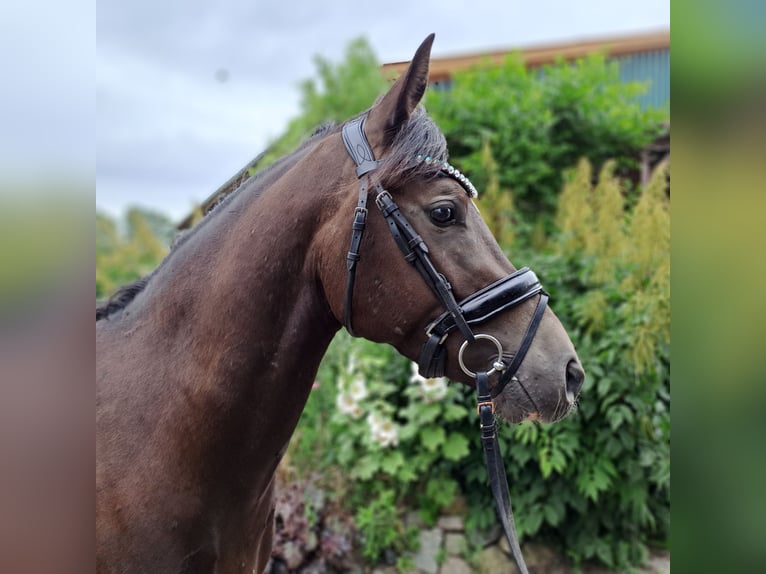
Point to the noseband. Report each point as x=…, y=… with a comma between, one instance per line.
x=475, y=309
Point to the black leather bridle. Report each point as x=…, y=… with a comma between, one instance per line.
x=484, y=304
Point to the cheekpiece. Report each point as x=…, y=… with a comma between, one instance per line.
x=452, y=172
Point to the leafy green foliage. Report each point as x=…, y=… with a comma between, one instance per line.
x=401, y=431
x=607, y=465
x=540, y=123
x=381, y=528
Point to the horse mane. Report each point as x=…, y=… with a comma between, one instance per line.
x=121, y=297
x=419, y=136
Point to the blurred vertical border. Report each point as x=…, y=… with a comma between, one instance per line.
x=718, y=106
x=47, y=252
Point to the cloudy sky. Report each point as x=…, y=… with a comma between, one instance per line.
x=170, y=131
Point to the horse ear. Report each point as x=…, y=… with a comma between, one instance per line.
x=394, y=109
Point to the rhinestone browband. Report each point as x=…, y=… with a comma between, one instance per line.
x=452, y=172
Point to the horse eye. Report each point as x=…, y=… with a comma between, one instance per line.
x=443, y=215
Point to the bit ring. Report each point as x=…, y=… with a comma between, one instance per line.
x=497, y=365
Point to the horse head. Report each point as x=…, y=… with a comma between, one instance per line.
x=427, y=219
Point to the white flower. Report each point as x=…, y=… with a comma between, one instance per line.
x=348, y=406
x=357, y=389
x=434, y=389
x=385, y=432
x=416, y=376
x=374, y=422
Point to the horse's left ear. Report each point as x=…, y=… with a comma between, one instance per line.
x=394, y=109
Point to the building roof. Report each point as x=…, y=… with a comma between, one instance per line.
x=442, y=68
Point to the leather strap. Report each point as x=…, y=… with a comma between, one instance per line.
x=491, y=300
x=357, y=232
x=415, y=252
x=510, y=372
x=361, y=152
x=498, y=480
x=358, y=147
x=477, y=308
x=433, y=358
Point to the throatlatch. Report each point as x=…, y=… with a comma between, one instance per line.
x=484, y=304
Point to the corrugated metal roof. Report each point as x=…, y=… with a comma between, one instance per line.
x=653, y=68
x=641, y=57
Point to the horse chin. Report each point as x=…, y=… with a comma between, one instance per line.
x=516, y=406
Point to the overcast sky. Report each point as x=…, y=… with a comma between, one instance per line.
x=170, y=131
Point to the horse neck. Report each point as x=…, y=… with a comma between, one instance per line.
x=241, y=305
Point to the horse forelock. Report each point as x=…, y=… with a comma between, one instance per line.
x=419, y=136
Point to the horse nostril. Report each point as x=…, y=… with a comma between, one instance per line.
x=575, y=378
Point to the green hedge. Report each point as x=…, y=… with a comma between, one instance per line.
x=540, y=122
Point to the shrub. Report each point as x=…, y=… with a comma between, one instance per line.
x=540, y=122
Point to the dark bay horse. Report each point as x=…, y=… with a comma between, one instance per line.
x=204, y=366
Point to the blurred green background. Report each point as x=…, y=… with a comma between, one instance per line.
x=719, y=275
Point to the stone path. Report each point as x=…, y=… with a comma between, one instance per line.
x=443, y=551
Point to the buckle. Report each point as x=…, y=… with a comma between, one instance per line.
x=489, y=404
x=360, y=221
x=379, y=201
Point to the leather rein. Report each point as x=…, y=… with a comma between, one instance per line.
x=484, y=304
